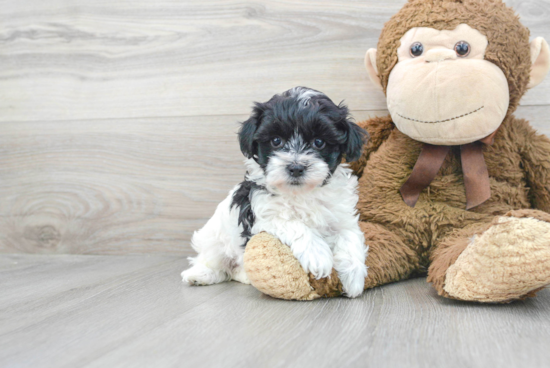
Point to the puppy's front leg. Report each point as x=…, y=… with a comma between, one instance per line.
x=350, y=253
x=311, y=250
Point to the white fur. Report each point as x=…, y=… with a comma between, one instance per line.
x=276, y=178
x=303, y=94
x=318, y=222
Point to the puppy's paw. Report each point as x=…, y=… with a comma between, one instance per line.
x=317, y=260
x=201, y=275
x=239, y=275
x=353, y=280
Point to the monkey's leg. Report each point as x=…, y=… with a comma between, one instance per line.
x=273, y=269
x=389, y=259
x=505, y=260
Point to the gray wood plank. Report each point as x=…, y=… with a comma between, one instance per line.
x=538, y=117
x=123, y=186
x=113, y=186
x=115, y=59
x=131, y=311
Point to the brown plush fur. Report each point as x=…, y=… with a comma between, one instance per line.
x=432, y=235
x=389, y=260
x=439, y=220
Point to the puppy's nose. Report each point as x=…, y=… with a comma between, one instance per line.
x=296, y=170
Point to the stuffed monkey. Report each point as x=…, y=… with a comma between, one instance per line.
x=451, y=183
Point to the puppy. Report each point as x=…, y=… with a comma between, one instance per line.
x=295, y=188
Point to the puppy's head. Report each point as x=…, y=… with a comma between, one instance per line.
x=299, y=138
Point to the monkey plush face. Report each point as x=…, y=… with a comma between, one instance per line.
x=453, y=70
x=442, y=86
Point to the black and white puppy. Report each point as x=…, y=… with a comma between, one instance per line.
x=295, y=188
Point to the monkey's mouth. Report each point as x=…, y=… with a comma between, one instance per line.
x=441, y=121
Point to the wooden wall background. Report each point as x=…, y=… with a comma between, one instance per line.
x=118, y=118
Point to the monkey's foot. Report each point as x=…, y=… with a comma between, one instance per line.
x=272, y=268
x=509, y=261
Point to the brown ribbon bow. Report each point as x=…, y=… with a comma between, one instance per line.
x=474, y=170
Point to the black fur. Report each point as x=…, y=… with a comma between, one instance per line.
x=241, y=200
x=283, y=114
x=356, y=136
x=248, y=128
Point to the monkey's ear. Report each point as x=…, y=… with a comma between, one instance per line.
x=248, y=128
x=540, y=59
x=372, y=69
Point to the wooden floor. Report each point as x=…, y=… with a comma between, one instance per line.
x=117, y=138
x=133, y=311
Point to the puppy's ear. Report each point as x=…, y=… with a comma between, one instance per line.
x=356, y=136
x=248, y=128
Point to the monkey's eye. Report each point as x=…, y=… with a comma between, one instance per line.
x=276, y=142
x=416, y=49
x=462, y=48
x=319, y=143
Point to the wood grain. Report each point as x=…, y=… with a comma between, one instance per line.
x=139, y=185
x=123, y=186
x=120, y=59
x=134, y=311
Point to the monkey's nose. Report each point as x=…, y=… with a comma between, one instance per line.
x=435, y=55
x=296, y=170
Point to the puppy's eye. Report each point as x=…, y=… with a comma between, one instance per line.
x=319, y=143
x=276, y=142
x=462, y=48
x=416, y=49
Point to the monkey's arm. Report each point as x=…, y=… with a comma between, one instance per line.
x=379, y=129
x=535, y=152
